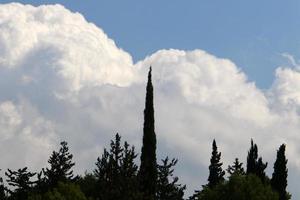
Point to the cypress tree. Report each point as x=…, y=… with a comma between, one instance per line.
x=216, y=174
x=148, y=167
x=279, y=176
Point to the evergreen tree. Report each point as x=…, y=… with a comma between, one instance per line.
x=116, y=173
x=260, y=170
x=148, y=167
x=128, y=171
x=236, y=168
x=255, y=165
x=60, y=166
x=252, y=159
x=108, y=171
x=88, y=185
x=279, y=176
x=62, y=191
x=168, y=187
x=238, y=187
x=20, y=180
x=216, y=174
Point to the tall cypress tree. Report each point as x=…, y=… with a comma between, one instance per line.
x=148, y=167
x=279, y=176
x=216, y=173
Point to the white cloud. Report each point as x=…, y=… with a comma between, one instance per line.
x=62, y=78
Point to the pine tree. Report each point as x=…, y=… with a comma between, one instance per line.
x=148, y=167
x=116, y=172
x=128, y=172
x=255, y=165
x=60, y=166
x=279, y=176
x=168, y=187
x=216, y=174
x=20, y=180
x=236, y=168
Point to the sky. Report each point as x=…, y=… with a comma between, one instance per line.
x=253, y=34
x=223, y=70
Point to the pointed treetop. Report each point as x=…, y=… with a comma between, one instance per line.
x=150, y=75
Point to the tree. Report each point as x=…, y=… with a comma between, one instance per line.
x=255, y=165
x=252, y=159
x=239, y=187
x=63, y=191
x=20, y=180
x=260, y=170
x=60, y=166
x=168, y=187
x=279, y=176
x=216, y=174
x=236, y=168
x=116, y=172
x=148, y=167
x=128, y=172
x=88, y=185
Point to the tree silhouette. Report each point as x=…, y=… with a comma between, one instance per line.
x=236, y=168
x=148, y=167
x=60, y=166
x=255, y=165
x=20, y=180
x=116, y=172
x=168, y=187
x=279, y=176
x=216, y=174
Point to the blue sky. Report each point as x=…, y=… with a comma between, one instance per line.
x=253, y=34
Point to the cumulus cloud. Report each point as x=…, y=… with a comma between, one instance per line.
x=62, y=78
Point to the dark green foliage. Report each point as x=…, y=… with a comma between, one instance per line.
x=252, y=158
x=88, y=185
x=236, y=168
x=63, y=191
x=238, y=187
x=167, y=185
x=260, y=170
x=21, y=181
x=216, y=173
x=255, y=165
x=279, y=176
x=148, y=167
x=60, y=167
x=116, y=173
